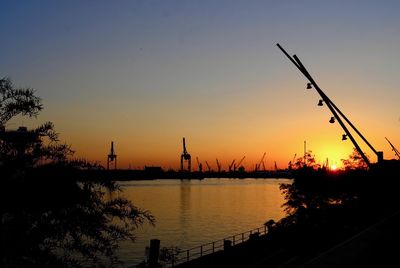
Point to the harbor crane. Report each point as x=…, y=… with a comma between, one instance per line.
x=112, y=157
x=208, y=166
x=231, y=165
x=336, y=112
x=261, y=163
x=238, y=165
x=185, y=157
x=199, y=165
x=218, y=165
x=396, y=152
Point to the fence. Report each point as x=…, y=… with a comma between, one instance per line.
x=183, y=256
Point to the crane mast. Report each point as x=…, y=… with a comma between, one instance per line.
x=112, y=157
x=185, y=157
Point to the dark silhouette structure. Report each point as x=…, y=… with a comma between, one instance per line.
x=199, y=165
x=218, y=166
x=396, y=152
x=185, y=156
x=231, y=165
x=237, y=166
x=112, y=157
x=208, y=166
x=337, y=114
x=258, y=166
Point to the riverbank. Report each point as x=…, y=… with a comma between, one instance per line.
x=351, y=217
x=373, y=246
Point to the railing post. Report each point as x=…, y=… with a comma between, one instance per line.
x=227, y=244
x=154, y=253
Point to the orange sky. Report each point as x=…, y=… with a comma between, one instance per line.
x=145, y=75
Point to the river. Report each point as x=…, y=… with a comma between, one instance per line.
x=192, y=212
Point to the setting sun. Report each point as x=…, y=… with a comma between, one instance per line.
x=333, y=167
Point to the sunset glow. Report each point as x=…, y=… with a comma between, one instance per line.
x=200, y=133
x=145, y=75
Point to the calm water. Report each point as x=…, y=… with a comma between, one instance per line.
x=193, y=212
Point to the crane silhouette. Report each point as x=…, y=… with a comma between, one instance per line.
x=231, y=165
x=238, y=164
x=396, y=152
x=218, y=165
x=261, y=163
x=112, y=157
x=185, y=156
x=199, y=165
x=336, y=112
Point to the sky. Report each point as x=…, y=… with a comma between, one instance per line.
x=146, y=73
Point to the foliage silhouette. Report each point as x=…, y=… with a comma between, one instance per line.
x=355, y=161
x=55, y=212
x=308, y=160
x=326, y=207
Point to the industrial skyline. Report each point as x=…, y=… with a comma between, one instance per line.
x=144, y=74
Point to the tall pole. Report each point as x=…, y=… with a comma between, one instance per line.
x=305, y=148
x=332, y=107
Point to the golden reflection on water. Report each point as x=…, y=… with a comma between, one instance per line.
x=192, y=212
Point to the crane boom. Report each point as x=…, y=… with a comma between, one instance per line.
x=241, y=160
x=208, y=166
x=218, y=165
x=334, y=110
x=396, y=152
x=230, y=166
x=261, y=162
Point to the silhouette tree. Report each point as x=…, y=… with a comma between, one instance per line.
x=17, y=101
x=355, y=161
x=55, y=211
x=307, y=161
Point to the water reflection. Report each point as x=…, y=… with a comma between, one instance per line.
x=185, y=208
x=192, y=212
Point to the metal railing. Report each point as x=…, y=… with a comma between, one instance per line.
x=183, y=256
